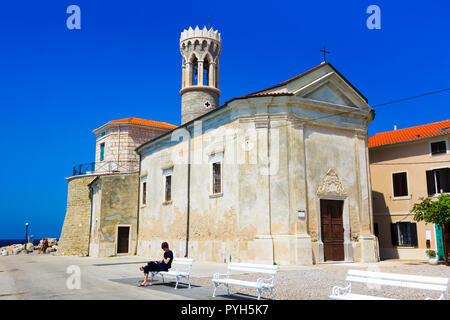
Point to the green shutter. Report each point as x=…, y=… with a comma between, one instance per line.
x=102, y=152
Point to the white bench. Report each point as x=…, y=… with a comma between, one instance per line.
x=260, y=284
x=387, y=279
x=182, y=270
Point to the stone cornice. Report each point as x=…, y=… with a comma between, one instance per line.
x=280, y=107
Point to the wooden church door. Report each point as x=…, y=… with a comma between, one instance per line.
x=332, y=229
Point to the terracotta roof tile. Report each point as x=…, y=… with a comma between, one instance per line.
x=146, y=122
x=412, y=133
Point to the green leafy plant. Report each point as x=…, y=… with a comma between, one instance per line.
x=275, y=264
x=430, y=253
x=433, y=211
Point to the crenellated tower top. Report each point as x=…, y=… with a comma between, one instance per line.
x=200, y=49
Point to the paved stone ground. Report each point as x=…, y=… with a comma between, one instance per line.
x=44, y=277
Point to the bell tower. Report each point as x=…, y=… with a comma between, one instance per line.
x=200, y=72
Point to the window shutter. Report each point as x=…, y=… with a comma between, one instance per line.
x=431, y=186
x=445, y=185
x=400, y=181
x=396, y=181
x=394, y=234
x=413, y=234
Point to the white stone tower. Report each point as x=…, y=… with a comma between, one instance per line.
x=200, y=81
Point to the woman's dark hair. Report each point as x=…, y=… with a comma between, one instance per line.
x=164, y=245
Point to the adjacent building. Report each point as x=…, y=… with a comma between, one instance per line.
x=405, y=165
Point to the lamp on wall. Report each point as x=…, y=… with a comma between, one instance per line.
x=26, y=236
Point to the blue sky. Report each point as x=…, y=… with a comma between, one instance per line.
x=57, y=85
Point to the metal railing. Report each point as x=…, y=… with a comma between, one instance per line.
x=105, y=167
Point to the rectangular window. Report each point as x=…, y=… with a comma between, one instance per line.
x=144, y=192
x=438, y=181
x=102, y=152
x=217, y=179
x=439, y=147
x=404, y=234
x=400, y=182
x=168, y=193
x=103, y=134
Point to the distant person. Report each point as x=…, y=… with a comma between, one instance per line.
x=164, y=265
x=44, y=245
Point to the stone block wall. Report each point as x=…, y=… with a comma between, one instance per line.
x=120, y=144
x=74, y=239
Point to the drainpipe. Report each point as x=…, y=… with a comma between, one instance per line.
x=188, y=193
x=91, y=190
x=138, y=204
x=90, y=220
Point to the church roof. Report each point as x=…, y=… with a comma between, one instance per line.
x=146, y=122
x=410, y=134
x=269, y=91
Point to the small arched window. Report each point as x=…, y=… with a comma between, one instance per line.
x=195, y=71
x=206, y=72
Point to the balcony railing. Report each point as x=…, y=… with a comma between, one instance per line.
x=106, y=167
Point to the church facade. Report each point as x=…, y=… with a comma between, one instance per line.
x=280, y=175
x=276, y=176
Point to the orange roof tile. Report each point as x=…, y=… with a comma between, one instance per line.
x=409, y=134
x=145, y=122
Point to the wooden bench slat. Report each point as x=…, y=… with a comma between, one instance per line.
x=251, y=265
x=398, y=276
x=354, y=296
x=394, y=283
x=252, y=270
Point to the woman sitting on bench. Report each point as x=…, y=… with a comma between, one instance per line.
x=156, y=266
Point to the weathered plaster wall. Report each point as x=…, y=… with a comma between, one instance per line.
x=118, y=207
x=273, y=168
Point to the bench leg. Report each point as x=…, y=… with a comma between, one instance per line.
x=228, y=290
x=271, y=293
x=162, y=276
x=176, y=284
x=215, y=288
x=151, y=277
x=259, y=293
x=189, y=282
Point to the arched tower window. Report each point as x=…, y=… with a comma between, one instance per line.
x=206, y=72
x=195, y=71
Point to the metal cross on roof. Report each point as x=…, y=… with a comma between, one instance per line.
x=324, y=53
